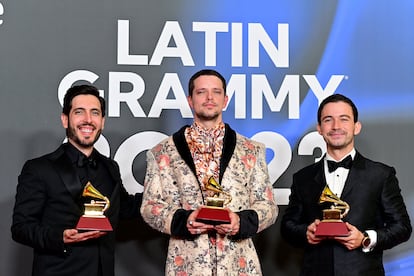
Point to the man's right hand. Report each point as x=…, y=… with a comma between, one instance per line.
x=310, y=233
x=197, y=228
x=72, y=235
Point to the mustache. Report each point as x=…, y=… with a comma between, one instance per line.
x=87, y=124
x=335, y=132
x=209, y=103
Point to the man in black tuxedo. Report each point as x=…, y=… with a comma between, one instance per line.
x=49, y=199
x=377, y=219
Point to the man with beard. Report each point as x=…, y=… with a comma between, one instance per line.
x=176, y=181
x=377, y=219
x=49, y=199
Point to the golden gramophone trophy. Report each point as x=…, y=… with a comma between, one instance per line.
x=332, y=224
x=213, y=212
x=93, y=217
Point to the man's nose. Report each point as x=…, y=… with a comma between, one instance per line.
x=88, y=117
x=336, y=124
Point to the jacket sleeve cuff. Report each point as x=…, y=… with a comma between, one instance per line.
x=249, y=224
x=179, y=224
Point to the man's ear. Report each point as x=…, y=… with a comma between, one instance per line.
x=358, y=127
x=318, y=128
x=64, y=119
x=190, y=102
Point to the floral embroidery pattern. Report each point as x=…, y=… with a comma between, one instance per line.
x=170, y=185
x=206, y=146
x=163, y=161
x=249, y=161
x=179, y=261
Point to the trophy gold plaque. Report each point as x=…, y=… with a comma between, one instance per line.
x=213, y=212
x=93, y=217
x=332, y=224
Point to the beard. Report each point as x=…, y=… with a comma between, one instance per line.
x=207, y=117
x=83, y=143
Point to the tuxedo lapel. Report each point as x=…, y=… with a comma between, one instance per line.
x=68, y=175
x=183, y=149
x=354, y=176
x=113, y=172
x=319, y=177
x=229, y=144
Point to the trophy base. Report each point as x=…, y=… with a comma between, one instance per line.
x=86, y=223
x=331, y=229
x=213, y=215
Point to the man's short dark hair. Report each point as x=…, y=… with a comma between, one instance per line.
x=205, y=72
x=338, y=98
x=81, y=90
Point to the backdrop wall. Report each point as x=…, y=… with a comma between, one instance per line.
x=281, y=58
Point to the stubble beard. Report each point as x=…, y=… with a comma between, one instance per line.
x=202, y=116
x=338, y=145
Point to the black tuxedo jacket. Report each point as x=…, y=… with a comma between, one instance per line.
x=373, y=193
x=48, y=201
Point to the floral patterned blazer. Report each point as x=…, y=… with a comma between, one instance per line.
x=172, y=192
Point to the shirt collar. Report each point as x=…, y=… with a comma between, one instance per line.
x=352, y=153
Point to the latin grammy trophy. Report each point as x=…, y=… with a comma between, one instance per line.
x=93, y=217
x=213, y=212
x=332, y=224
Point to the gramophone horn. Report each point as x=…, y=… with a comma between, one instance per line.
x=91, y=191
x=328, y=196
x=212, y=185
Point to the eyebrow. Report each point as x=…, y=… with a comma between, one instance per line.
x=84, y=109
x=340, y=116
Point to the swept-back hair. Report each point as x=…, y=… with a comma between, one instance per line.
x=81, y=90
x=205, y=72
x=338, y=98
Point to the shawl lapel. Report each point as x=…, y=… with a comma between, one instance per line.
x=229, y=145
x=68, y=175
x=355, y=174
x=114, y=173
x=319, y=178
x=183, y=149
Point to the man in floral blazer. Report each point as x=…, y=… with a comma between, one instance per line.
x=179, y=168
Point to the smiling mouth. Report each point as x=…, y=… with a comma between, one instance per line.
x=336, y=133
x=337, y=137
x=86, y=129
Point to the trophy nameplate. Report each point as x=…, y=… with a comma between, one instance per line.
x=93, y=217
x=332, y=224
x=214, y=211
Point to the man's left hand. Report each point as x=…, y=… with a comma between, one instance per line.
x=353, y=240
x=232, y=228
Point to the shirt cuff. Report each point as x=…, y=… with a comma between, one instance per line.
x=373, y=237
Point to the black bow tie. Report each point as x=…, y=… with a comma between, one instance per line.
x=86, y=161
x=346, y=163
